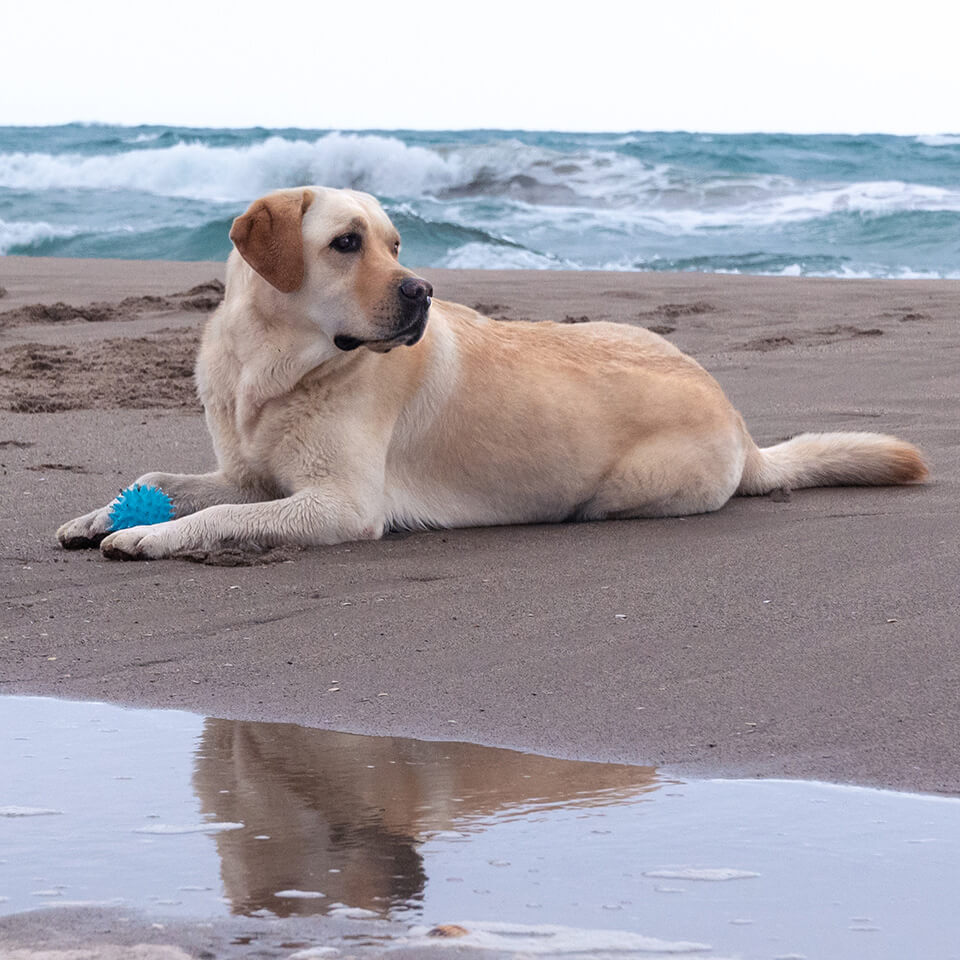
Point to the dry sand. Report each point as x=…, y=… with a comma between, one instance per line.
x=813, y=635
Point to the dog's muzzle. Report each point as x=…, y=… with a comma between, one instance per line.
x=415, y=297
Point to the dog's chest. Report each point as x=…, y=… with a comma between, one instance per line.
x=296, y=440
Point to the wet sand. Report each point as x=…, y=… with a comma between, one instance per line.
x=804, y=636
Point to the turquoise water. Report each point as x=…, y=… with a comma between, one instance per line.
x=846, y=206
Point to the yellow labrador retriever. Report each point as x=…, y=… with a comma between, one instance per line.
x=343, y=401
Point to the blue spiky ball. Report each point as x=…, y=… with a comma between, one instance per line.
x=140, y=506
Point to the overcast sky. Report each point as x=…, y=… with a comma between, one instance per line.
x=721, y=66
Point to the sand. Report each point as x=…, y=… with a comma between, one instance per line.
x=811, y=635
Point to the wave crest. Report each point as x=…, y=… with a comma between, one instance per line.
x=810, y=205
x=659, y=197
x=940, y=140
x=382, y=165
x=22, y=233
x=487, y=256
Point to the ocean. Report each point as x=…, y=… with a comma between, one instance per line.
x=783, y=205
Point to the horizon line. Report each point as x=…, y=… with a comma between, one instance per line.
x=491, y=129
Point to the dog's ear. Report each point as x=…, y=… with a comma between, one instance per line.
x=269, y=237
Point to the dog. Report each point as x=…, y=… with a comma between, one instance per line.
x=343, y=401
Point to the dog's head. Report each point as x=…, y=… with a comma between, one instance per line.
x=333, y=254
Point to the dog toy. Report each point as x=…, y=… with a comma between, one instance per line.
x=140, y=506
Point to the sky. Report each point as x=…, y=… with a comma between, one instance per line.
x=845, y=66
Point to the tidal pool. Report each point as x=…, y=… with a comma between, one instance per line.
x=179, y=815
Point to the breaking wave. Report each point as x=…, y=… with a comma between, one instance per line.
x=832, y=206
x=382, y=165
x=24, y=234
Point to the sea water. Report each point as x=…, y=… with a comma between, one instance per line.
x=836, y=206
x=180, y=816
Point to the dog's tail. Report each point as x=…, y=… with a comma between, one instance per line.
x=831, y=459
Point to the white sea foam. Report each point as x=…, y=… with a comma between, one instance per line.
x=795, y=203
x=379, y=164
x=554, y=940
x=753, y=203
x=841, y=273
x=940, y=140
x=17, y=233
x=701, y=873
x=68, y=904
x=300, y=894
x=15, y=811
x=351, y=913
x=489, y=256
x=173, y=829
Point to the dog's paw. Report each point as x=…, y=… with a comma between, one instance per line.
x=86, y=531
x=137, y=543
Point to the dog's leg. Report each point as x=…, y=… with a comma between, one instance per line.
x=312, y=517
x=189, y=493
x=673, y=475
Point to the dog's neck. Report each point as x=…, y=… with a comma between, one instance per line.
x=285, y=356
x=272, y=348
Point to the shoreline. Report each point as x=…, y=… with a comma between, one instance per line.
x=808, y=638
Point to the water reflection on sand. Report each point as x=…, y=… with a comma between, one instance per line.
x=345, y=816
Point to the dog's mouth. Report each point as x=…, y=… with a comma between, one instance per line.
x=405, y=336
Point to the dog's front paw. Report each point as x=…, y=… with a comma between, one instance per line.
x=86, y=531
x=138, y=543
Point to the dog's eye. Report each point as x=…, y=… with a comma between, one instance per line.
x=347, y=242
x=396, y=248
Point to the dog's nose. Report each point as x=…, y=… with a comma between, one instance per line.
x=413, y=288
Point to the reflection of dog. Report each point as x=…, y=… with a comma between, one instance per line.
x=361, y=805
x=325, y=433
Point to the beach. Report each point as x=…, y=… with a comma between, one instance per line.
x=809, y=634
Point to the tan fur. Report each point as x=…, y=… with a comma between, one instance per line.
x=362, y=806
x=832, y=459
x=268, y=237
x=321, y=439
